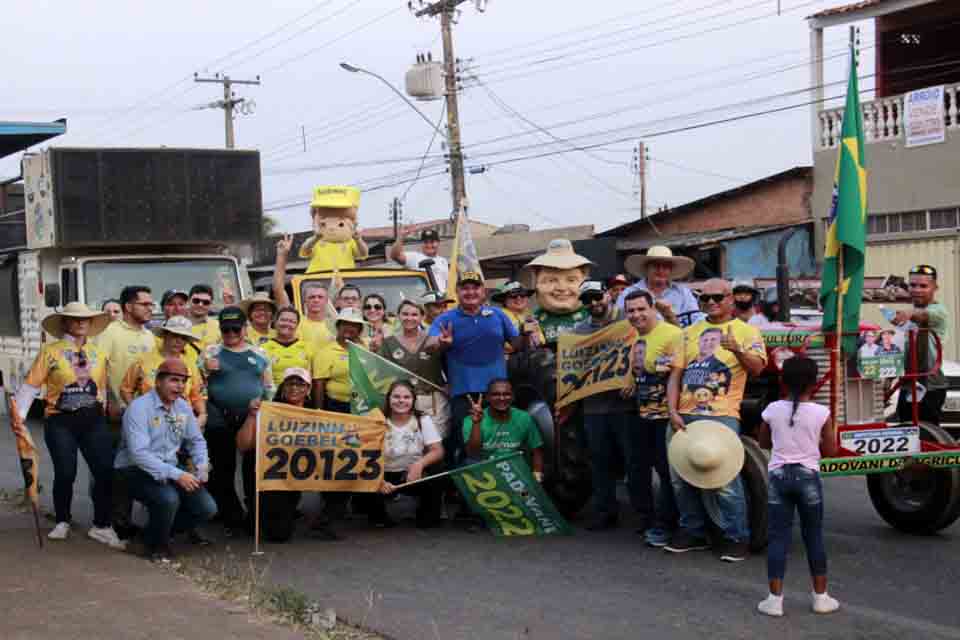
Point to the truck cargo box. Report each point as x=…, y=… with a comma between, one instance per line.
x=86, y=197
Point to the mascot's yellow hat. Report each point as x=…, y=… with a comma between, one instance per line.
x=335, y=197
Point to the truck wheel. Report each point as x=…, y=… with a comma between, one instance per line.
x=754, y=479
x=919, y=501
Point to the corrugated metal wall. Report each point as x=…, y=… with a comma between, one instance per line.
x=896, y=258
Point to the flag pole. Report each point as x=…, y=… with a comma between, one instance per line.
x=256, y=493
x=36, y=522
x=837, y=392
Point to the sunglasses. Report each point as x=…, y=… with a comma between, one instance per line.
x=231, y=329
x=373, y=307
x=204, y=301
x=713, y=297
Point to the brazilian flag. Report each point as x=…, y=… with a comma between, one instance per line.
x=844, y=256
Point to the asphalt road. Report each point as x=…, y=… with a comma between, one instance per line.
x=451, y=584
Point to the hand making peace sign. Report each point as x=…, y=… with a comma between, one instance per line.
x=476, y=408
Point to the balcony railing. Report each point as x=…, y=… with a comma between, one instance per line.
x=882, y=119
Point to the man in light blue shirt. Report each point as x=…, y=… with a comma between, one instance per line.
x=155, y=427
x=657, y=270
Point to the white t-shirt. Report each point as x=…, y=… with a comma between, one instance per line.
x=799, y=444
x=440, y=266
x=404, y=444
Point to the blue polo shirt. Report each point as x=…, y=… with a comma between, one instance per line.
x=476, y=356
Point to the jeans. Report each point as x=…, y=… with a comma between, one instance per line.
x=86, y=431
x=930, y=407
x=653, y=449
x=454, y=449
x=122, y=509
x=794, y=487
x=726, y=506
x=171, y=509
x=606, y=434
x=221, y=437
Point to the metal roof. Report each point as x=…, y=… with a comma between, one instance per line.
x=685, y=240
x=862, y=10
x=848, y=8
x=629, y=227
x=19, y=136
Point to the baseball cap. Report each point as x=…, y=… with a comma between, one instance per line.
x=470, y=276
x=924, y=270
x=435, y=297
x=170, y=294
x=174, y=366
x=592, y=288
x=744, y=285
x=297, y=372
x=429, y=234
x=617, y=279
x=232, y=317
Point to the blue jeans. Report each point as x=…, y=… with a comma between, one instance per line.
x=86, y=431
x=726, y=506
x=454, y=449
x=794, y=487
x=606, y=434
x=171, y=509
x=654, y=451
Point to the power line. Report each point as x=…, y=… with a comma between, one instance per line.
x=423, y=159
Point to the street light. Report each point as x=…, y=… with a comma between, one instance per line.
x=352, y=69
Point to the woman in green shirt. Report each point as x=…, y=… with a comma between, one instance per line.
x=406, y=348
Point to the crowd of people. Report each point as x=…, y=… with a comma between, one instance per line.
x=161, y=411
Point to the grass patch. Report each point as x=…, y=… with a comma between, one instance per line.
x=244, y=582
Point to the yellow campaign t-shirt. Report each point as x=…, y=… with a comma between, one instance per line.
x=58, y=367
x=331, y=256
x=207, y=332
x=316, y=333
x=713, y=379
x=141, y=377
x=256, y=338
x=332, y=364
x=283, y=357
x=653, y=356
x=122, y=345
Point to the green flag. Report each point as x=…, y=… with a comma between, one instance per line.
x=371, y=376
x=505, y=494
x=844, y=255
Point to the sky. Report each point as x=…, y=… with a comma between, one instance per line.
x=539, y=79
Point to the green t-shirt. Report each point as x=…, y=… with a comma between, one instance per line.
x=498, y=438
x=939, y=324
x=555, y=324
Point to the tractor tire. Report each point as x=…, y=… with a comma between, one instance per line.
x=570, y=484
x=754, y=479
x=918, y=501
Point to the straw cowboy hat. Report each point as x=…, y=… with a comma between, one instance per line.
x=559, y=255
x=176, y=326
x=707, y=454
x=637, y=265
x=349, y=314
x=260, y=297
x=54, y=325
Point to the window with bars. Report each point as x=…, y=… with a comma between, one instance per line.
x=943, y=219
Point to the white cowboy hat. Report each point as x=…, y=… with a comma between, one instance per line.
x=707, y=454
x=176, y=326
x=260, y=297
x=54, y=325
x=637, y=265
x=559, y=255
x=349, y=314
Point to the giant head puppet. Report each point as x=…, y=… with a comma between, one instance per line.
x=335, y=242
x=557, y=276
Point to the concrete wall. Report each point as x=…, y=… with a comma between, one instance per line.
x=756, y=256
x=786, y=201
x=898, y=179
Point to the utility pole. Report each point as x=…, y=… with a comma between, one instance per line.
x=396, y=214
x=640, y=159
x=446, y=9
x=229, y=102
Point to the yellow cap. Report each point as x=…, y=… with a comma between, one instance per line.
x=336, y=197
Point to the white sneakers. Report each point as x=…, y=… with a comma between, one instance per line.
x=107, y=536
x=60, y=532
x=821, y=603
x=771, y=606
